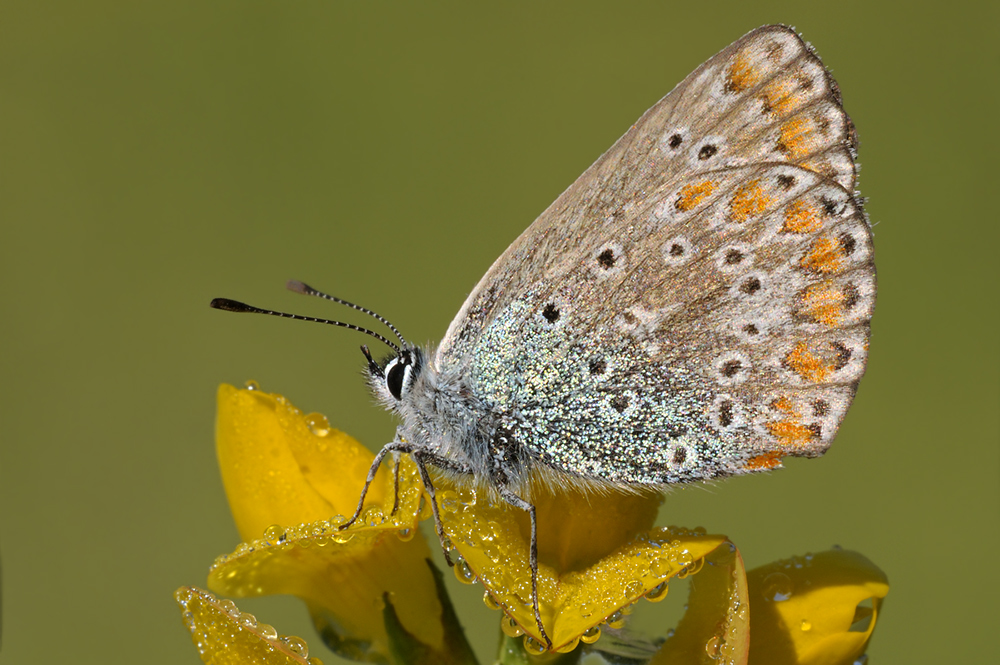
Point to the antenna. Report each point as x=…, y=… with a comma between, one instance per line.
x=235, y=306
x=306, y=290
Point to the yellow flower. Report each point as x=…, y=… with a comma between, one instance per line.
x=286, y=475
x=291, y=480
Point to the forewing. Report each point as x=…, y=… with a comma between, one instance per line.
x=697, y=303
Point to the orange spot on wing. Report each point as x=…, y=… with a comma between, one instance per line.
x=808, y=365
x=783, y=404
x=825, y=256
x=794, y=141
x=692, y=195
x=749, y=201
x=790, y=433
x=741, y=75
x=823, y=303
x=778, y=97
x=801, y=217
x=768, y=460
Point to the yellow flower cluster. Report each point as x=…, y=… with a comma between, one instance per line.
x=292, y=481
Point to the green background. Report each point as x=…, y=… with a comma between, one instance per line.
x=154, y=155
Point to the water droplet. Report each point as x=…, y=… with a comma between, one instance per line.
x=659, y=567
x=248, y=620
x=633, y=589
x=406, y=534
x=448, y=501
x=712, y=647
x=806, y=626
x=318, y=424
x=616, y=620
x=274, y=533
x=467, y=496
x=683, y=558
x=490, y=601
x=570, y=646
x=777, y=587
x=591, y=635
x=533, y=646
x=251, y=385
x=510, y=627
x=657, y=593
x=463, y=573
x=267, y=631
x=188, y=618
x=296, y=645
x=374, y=516
x=229, y=607
x=336, y=533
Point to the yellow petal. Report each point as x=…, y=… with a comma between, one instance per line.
x=277, y=471
x=819, y=609
x=716, y=626
x=226, y=636
x=492, y=539
x=278, y=474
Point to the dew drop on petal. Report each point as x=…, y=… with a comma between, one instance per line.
x=659, y=567
x=570, y=646
x=806, y=625
x=616, y=620
x=318, y=424
x=633, y=589
x=267, y=631
x=296, y=645
x=777, y=587
x=591, y=635
x=274, y=534
x=510, y=627
x=490, y=601
x=463, y=573
x=657, y=593
x=713, y=647
x=406, y=534
x=467, y=496
x=374, y=516
x=533, y=646
x=251, y=385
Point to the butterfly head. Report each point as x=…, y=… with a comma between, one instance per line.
x=392, y=379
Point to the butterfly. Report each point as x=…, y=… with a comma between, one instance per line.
x=696, y=305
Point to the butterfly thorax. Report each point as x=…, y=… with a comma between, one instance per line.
x=457, y=432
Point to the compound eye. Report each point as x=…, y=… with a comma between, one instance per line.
x=395, y=375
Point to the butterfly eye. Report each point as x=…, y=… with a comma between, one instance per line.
x=396, y=374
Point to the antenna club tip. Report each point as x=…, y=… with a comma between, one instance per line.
x=229, y=305
x=299, y=287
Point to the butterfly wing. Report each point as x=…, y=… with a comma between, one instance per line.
x=697, y=303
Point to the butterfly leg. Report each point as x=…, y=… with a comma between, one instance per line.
x=395, y=447
x=395, y=483
x=425, y=478
x=518, y=502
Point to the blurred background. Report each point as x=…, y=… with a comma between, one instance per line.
x=155, y=155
